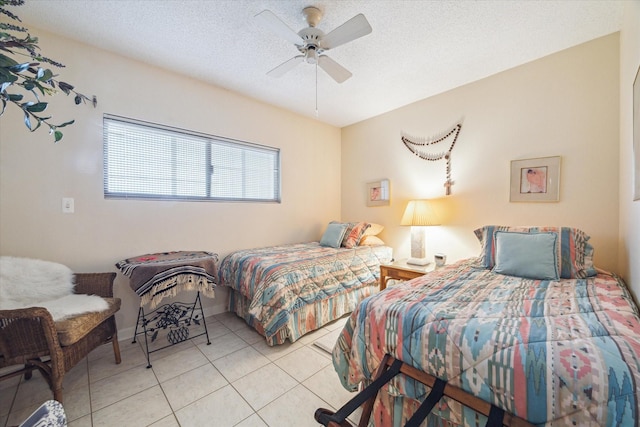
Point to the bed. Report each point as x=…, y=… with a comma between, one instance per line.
x=556, y=351
x=286, y=291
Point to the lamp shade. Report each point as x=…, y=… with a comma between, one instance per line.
x=419, y=212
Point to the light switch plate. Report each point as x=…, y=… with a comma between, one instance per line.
x=68, y=205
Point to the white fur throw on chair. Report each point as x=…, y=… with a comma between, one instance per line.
x=26, y=282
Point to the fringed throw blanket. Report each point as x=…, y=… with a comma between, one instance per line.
x=156, y=276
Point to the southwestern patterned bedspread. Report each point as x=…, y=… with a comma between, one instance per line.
x=286, y=291
x=557, y=353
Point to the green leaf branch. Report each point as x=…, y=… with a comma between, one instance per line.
x=21, y=74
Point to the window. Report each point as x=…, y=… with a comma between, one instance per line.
x=148, y=161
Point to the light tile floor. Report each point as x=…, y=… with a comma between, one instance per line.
x=238, y=380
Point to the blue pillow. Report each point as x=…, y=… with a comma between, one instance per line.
x=333, y=235
x=529, y=255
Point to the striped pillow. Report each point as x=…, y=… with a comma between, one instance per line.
x=352, y=239
x=574, y=257
x=355, y=231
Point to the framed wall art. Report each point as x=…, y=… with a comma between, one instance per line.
x=636, y=136
x=378, y=193
x=535, y=180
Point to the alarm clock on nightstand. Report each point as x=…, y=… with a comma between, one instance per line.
x=440, y=259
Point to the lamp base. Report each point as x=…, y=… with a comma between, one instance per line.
x=418, y=261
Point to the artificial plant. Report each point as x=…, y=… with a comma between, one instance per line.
x=21, y=74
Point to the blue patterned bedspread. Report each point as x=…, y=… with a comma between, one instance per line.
x=557, y=353
x=280, y=281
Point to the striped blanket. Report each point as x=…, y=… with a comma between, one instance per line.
x=557, y=353
x=286, y=291
x=157, y=276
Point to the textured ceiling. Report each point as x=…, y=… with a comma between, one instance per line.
x=417, y=48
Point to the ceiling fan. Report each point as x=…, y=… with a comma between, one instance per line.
x=312, y=43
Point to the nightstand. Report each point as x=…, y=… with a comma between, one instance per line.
x=400, y=270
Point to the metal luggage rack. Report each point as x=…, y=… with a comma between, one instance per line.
x=389, y=368
x=177, y=318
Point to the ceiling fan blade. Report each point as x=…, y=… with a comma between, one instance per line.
x=275, y=24
x=354, y=28
x=282, y=69
x=335, y=70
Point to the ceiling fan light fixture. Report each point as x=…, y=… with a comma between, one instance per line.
x=311, y=57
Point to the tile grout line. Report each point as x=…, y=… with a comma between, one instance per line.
x=271, y=357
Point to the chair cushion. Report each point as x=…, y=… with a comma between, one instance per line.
x=72, y=329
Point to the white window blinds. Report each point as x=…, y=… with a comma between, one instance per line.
x=148, y=161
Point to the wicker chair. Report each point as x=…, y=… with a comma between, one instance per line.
x=30, y=337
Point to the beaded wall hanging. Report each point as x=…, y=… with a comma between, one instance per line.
x=418, y=147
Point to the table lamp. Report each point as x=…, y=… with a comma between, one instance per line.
x=418, y=214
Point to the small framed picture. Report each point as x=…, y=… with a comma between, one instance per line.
x=535, y=180
x=378, y=193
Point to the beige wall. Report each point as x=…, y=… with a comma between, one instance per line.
x=563, y=105
x=35, y=173
x=566, y=104
x=629, y=249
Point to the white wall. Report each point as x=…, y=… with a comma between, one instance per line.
x=629, y=265
x=35, y=173
x=564, y=105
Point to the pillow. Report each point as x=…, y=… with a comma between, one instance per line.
x=373, y=229
x=347, y=231
x=529, y=255
x=574, y=256
x=350, y=227
x=333, y=235
x=353, y=236
x=371, y=241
